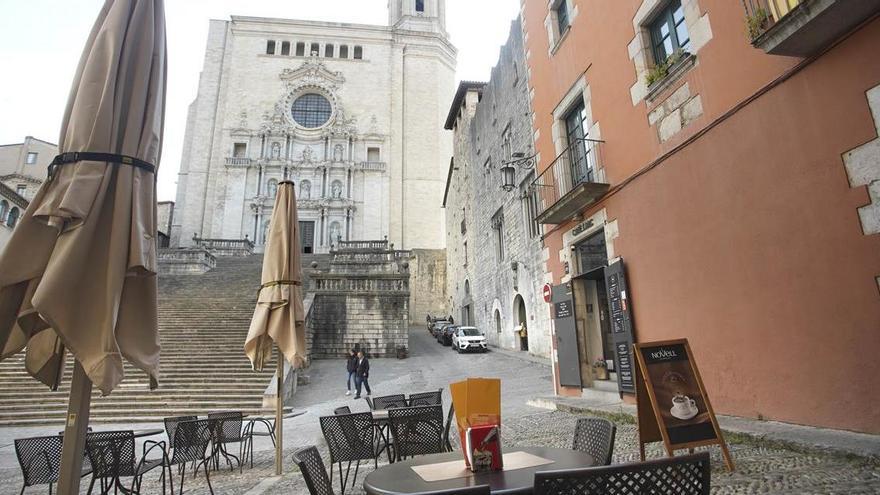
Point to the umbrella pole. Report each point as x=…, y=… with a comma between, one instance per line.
x=75, y=431
x=279, y=418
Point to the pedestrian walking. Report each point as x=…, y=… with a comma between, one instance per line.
x=351, y=367
x=362, y=374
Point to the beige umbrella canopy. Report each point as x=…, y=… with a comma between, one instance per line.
x=79, y=272
x=279, y=314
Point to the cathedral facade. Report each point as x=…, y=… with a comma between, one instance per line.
x=352, y=114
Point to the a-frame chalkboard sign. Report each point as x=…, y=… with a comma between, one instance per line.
x=673, y=406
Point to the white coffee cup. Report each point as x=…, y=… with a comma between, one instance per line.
x=682, y=405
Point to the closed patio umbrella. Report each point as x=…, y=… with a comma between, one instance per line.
x=278, y=316
x=79, y=272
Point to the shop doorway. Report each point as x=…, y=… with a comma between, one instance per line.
x=595, y=341
x=521, y=331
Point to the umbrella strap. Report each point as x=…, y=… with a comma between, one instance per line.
x=77, y=156
x=277, y=283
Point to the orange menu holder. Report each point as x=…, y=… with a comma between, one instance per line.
x=477, y=403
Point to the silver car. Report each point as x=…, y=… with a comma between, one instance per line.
x=469, y=339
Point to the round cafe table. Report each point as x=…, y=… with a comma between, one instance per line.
x=400, y=479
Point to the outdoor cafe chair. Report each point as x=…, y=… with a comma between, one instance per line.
x=342, y=410
x=229, y=430
x=426, y=398
x=682, y=475
x=350, y=439
x=40, y=460
x=313, y=470
x=389, y=401
x=112, y=456
x=416, y=430
x=250, y=432
x=447, y=438
x=595, y=436
x=190, y=444
x=171, y=427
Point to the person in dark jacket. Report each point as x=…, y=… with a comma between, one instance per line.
x=351, y=367
x=362, y=374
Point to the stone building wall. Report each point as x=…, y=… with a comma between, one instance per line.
x=427, y=268
x=498, y=285
x=376, y=323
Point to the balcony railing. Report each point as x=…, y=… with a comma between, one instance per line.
x=373, y=166
x=226, y=247
x=569, y=184
x=801, y=28
x=236, y=161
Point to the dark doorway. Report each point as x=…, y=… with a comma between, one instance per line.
x=522, y=329
x=307, y=237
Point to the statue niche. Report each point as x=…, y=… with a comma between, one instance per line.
x=338, y=152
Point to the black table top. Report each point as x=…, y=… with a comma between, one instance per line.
x=400, y=479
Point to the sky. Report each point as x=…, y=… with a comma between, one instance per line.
x=41, y=42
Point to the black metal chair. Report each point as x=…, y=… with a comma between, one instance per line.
x=389, y=401
x=684, y=475
x=426, y=398
x=595, y=436
x=447, y=438
x=250, y=431
x=171, y=426
x=229, y=430
x=416, y=430
x=350, y=438
x=369, y=403
x=342, y=410
x=313, y=470
x=112, y=456
x=40, y=460
x=190, y=444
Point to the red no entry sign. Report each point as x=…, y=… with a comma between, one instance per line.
x=547, y=292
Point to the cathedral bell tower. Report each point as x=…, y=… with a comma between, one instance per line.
x=418, y=15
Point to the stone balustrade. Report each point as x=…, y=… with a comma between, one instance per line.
x=226, y=247
x=185, y=261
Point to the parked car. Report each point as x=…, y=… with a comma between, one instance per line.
x=437, y=326
x=469, y=339
x=432, y=320
x=444, y=336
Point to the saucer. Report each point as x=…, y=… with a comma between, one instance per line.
x=686, y=416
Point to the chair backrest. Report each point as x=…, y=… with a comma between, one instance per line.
x=191, y=440
x=426, y=398
x=447, y=439
x=111, y=453
x=417, y=430
x=389, y=401
x=229, y=425
x=349, y=436
x=313, y=471
x=39, y=458
x=171, y=426
x=683, y=475
x=595, y=436
x=342, y=410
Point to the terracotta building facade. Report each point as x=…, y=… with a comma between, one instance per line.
x=710, y=170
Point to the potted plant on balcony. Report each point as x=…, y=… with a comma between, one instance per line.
x=600, y=368
x=757, y=22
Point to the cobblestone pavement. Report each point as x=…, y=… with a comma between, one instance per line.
x=761, y=467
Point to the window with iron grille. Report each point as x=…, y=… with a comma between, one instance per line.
x=498, y=227
x=311, y=110
x=270, y=47
x=669, y=32
x=285, y=48
x=529, y=195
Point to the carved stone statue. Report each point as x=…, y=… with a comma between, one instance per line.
x=276, y=151
x=338, y=152
x=305, y=190
x=307, y=154
x=336, y=190
x=335, y=231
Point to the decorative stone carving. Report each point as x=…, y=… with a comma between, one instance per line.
x=338, y=152
x=335, y=232
x=276, y=150
x=307, y=155
x=336, y=190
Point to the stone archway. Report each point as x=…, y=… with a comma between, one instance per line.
x=521, y=329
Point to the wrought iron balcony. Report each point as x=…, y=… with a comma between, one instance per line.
x=569, y=183
x=800, y=28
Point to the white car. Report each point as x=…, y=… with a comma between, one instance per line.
x=469, y=339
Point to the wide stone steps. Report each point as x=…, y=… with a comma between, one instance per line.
x=203, y=323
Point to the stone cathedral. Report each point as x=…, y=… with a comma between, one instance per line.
x=352, y=114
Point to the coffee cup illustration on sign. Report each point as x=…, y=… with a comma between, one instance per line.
x=683, y=407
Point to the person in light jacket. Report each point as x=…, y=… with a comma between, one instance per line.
x=351, y=367
x=362, y=374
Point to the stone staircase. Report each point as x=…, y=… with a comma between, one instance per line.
x=203, y=322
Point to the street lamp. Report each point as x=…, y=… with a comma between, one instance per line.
x=508, y=169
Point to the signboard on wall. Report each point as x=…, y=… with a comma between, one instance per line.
x=566, y=336
x=673, y=406
x=619, y=310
